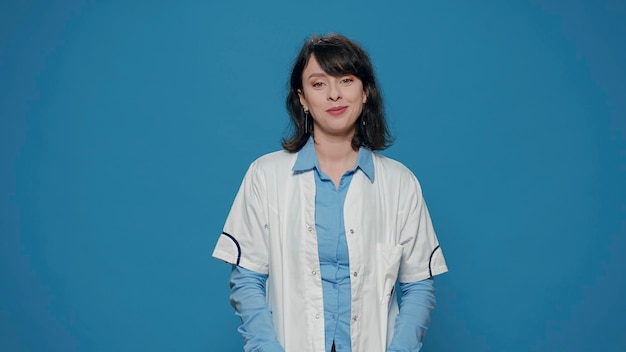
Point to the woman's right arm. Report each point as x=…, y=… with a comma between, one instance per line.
x=247, y=296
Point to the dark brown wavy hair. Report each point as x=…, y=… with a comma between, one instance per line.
x=337, y=56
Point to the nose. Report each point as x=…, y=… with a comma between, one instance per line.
x=334, y=93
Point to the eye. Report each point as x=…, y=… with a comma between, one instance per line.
x=318, y=84
x=347, y=80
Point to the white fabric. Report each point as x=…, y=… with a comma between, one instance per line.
x=271, y=230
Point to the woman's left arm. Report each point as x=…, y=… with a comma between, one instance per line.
x=418, y=300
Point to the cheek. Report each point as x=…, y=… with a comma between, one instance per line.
x=314, y=98
x=360, y=110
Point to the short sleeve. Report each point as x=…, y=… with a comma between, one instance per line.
x=243, y=241
x=422, y=257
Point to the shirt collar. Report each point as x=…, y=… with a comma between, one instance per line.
x=307, y=160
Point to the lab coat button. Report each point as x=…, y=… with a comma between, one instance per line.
x=351, y=231
x=310, y=228
x=314, y=272
x=354, y=318
x=317, y=316
x=354, y=274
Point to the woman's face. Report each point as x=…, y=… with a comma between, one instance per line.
x=334, y=102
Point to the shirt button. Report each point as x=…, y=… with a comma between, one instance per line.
x=354, y=274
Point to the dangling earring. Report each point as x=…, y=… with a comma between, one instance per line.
x=363, y=121
x=306, y=120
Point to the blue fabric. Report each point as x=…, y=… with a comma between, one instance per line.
x=418, y=300
x=247, y=296
x=334, y=259
x=332, y=243
x=248, y=287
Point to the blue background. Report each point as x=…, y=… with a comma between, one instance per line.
x=126, y=128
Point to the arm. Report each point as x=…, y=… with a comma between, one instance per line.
x=418, y=300
x=247, y=296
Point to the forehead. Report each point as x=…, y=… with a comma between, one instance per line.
x=315, y=68
x=312, y=66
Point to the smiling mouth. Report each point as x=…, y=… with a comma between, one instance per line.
x=337, y=110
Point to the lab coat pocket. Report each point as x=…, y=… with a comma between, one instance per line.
x=387, y=262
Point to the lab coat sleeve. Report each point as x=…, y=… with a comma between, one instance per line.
x=243, y=241
x=422, y=257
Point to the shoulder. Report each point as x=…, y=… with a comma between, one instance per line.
x=279, y=158
x=268, y=169
x=390, y=166
x=392, y=172
x=272, y=164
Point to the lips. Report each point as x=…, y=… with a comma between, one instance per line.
x=337, y=110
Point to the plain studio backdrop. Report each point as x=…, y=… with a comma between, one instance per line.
x=126, y=128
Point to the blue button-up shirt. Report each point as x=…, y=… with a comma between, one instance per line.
x=331, y=241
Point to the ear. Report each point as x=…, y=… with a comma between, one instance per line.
x=302, y=100
x=365, y=96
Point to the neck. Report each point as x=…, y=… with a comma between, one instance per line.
x=335, y=150
x=335, y=156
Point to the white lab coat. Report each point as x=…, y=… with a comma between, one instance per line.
x=271, y=229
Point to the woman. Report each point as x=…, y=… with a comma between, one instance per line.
x=320, y=232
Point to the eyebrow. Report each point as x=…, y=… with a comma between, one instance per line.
x=317, y=74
